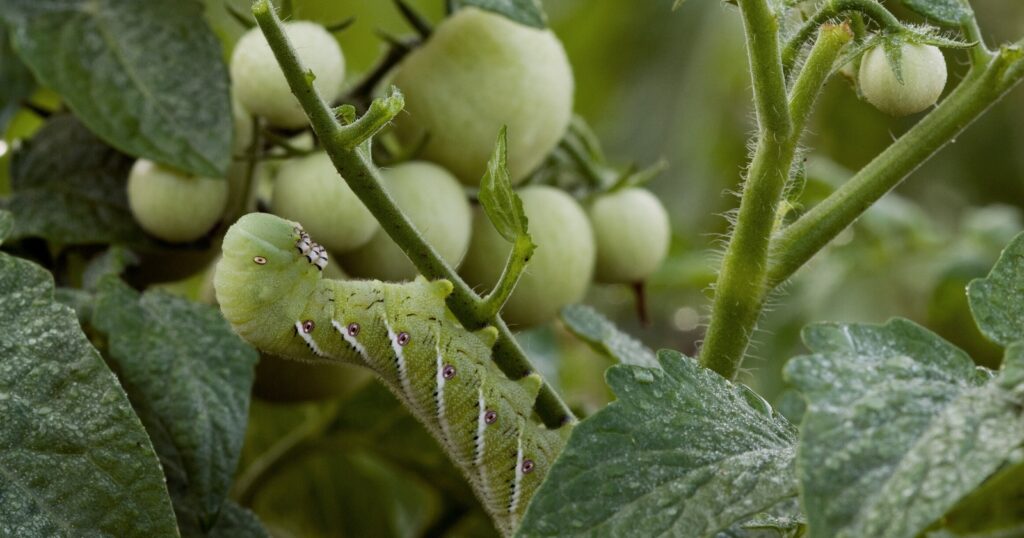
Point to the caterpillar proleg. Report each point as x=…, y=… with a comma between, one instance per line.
x=270, y=288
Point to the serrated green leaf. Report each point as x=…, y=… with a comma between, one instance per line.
x=681, y=452
x=188, y=376
x=602, y=335
x=6, y=224
x=899, y=427
x=69, y=187
x=947, y=12
x=147, y=77
x=17, y=80
x=74, y=458
x=502, y=205
x=997, y=301
x=528, y=12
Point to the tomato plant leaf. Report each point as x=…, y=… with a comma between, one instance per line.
x=602, y=335
x=147, y=77
x=681, y=452
x=997, y=301
x=69, y=187
x=899, y=427
x=528, y=12
x=947, y=12
x=188, y=376
x=17, y=80
x=74, y=458
x=502, y=205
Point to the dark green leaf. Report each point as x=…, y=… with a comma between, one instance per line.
x=997, y=301
x=947, y=12
x=188, y=376
x=899, y=427
x=147, y=77
x=602, y=335
x=502, y=205
x=17, y=80
x=69, y=188
x=74, y=458
x=6, y=225
x=528, y=12
x=682, y=452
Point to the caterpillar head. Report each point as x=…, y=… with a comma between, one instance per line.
x=267, y=262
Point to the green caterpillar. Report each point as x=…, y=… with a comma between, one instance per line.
x=270, y=288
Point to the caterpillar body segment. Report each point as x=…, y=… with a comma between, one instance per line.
x=270, y=288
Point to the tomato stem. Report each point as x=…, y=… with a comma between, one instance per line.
x=740, y=289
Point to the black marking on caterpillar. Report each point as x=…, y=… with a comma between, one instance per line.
x=404, y=333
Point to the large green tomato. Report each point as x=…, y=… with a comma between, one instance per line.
x=477, y=72
x=309, y=190
x=632, y=231
x=924, y=77
x=560, y=270
x=173, y=206
x=436, y=203
x=260, y=85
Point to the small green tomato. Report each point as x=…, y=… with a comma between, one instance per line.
x=173, y=206
x=632, y=232
x=924, y=77
x=309, y=190
x=259, y=82
x=561, y=268
x=435, y=202
x=477, y=72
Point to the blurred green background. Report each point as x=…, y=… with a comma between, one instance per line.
x=660, y=84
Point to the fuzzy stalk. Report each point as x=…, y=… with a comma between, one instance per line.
x=740, y=289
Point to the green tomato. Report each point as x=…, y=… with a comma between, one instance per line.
x=309, y=190
x=560, y=270
x=477, y=72
x=173, y=206
x=436, y=203
x=259, y=82
x=632, y=232
x=243, y=128
x=924, y=77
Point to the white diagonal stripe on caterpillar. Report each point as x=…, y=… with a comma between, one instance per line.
x=514, y=505
x=403, y=373
x=481, y=424
x=351, y=340
x=442, y=420
x=300, y=330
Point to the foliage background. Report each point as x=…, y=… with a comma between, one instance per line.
x=663, y=86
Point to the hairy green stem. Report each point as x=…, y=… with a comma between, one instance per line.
x=740, y=288
x=798, y=242
x=833, y=10
x=831, y=40
x=359, y=172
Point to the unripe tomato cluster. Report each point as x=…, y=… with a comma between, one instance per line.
x=477, y=72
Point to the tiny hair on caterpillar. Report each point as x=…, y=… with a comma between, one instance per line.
x=270, y=288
